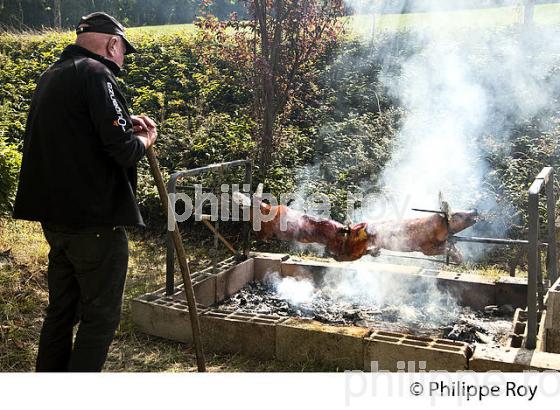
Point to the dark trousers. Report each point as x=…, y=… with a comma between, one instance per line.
x=86, y=276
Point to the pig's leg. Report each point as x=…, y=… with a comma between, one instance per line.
x=443, y=249
x=455, y=254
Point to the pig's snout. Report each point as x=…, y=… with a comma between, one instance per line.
x=462, y=220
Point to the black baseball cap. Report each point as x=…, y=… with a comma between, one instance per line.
x=100, y=22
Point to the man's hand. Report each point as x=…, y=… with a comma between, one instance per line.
x=142, y=123
x=144, y=128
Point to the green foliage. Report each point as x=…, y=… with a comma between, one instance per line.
x=10, y=162
x=349, y=156
x=338, y=135
x=514, y=165
x=201, y=108
x=23, y=59
x=294, y=149
x=218, y=137
x=350, y=82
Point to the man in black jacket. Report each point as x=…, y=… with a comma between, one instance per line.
x=78, y=178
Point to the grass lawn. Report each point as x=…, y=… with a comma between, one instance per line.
x=169, y=28
x=546, y=14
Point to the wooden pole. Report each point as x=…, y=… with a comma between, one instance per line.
x=182, y=257
x=220, y=237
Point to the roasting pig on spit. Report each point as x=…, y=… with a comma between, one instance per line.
x=428, y=234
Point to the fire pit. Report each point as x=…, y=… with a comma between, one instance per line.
x=443, y=320
x=435, y=316
x=367, y=314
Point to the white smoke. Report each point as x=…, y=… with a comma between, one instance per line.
x=295, y=290
x=458, y=87
x=412, y=299
x=462, y=86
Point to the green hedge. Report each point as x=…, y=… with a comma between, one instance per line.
x=204, y=109
x=338, y=136
x=199, y=101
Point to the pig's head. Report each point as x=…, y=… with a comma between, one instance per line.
x=462, y=220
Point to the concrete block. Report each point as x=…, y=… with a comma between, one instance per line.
x=504, y=359
x=267, y=263
x=343, y=347
x=448, y=275
x=470, y=290
x=204, y=291
x=515, y=340
x=393, y=268
x=543, y=361
x=308, y=271
x=378, y=268
x=519, y=327
x=396, y=351
x=553, y=306
x=551, y=336
x=163, y=317
x=204, y=286
x=511, y=291
x=253, y=335
x=304, y=341
x=316, y=270
x=518, y=334
x=233, y=279
x=541, y=335
x=552, y=340
x=512, y=360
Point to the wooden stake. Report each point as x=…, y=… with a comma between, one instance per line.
x=182, y=257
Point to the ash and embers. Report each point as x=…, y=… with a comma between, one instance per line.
x=413, y=316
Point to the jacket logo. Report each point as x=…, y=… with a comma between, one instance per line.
x=120, y=121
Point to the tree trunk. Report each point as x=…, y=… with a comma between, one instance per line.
x=270, y=53
x=57, y=15
x=267, y=133
x=281, y=46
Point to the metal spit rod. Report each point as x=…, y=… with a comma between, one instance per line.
x=494, y=241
